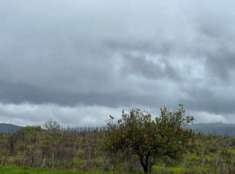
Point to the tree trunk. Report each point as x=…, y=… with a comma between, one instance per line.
x=144, y=161
x=145, y=168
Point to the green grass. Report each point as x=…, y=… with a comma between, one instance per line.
x=20, y=170
x=167, y=170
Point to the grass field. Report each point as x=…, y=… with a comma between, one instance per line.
x=156, y=170
x=27, y=170
x=18, y=170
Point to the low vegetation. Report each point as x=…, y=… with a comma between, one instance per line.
x=137, y=143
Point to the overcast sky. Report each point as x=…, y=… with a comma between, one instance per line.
x=77, y=61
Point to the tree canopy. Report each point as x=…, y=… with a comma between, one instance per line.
x=148, y=138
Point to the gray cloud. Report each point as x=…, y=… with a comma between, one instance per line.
x=158, y=69
x=71, y=53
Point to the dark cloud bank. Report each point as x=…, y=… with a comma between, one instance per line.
x=81, y=60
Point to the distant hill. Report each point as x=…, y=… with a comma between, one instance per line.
x=212, y=128
x=215, y=128
x=8, y=128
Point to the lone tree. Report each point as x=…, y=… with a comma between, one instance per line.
x=149, y=139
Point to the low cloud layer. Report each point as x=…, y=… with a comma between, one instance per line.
x=105, y=56
x=77, y=116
